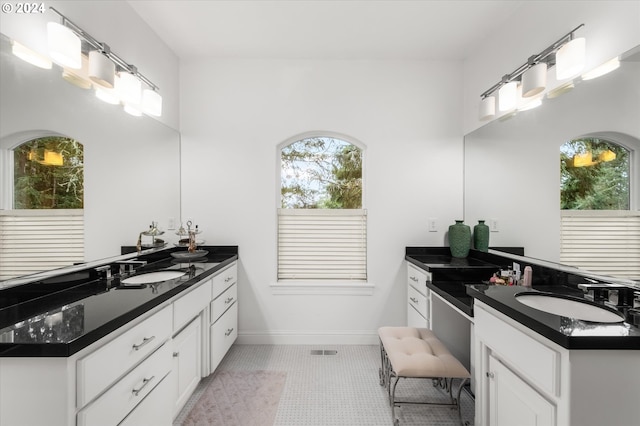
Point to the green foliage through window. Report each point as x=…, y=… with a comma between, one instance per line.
x=594, y=175
x=321, y=173
x=49, y=174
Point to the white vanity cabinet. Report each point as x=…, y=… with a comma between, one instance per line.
x=526, y=379
x=419, y=298
x=223, y=329
x=187, y=363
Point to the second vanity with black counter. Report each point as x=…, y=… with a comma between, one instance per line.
x=529, y=366
x=82, y=348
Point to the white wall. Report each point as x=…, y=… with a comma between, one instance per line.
x=116, y=24
x=234, y=113
x=611, y=27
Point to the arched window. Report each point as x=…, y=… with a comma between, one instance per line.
x=42, y=226
x=599, y=230
x=321, y=219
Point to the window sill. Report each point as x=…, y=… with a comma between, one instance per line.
x=323, y=288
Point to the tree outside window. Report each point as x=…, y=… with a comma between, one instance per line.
x=321, y=173
x=594, y=175
x=49, y=174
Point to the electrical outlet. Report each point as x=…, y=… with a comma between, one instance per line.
x=433, y=226
x=493, y=225
x=171, y=223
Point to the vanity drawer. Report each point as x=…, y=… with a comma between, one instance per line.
x=189, y=306
x=538, y=363
x=224, y=279
x=418, y=301
x=116, y=403
x=223, y=302
x=222, y=335
x=417, y=278
x=98, y=370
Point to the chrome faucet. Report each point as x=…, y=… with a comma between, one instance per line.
x=130, y=266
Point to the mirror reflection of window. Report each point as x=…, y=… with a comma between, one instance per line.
x=599, y=231
x=45, y=228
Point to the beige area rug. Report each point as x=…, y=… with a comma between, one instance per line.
x=239, y=398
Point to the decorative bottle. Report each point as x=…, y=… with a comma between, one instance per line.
x=459, y=239
x=481, y=236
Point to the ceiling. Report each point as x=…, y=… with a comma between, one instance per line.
x=325, y=29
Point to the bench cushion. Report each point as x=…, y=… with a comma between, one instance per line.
x=417, y=352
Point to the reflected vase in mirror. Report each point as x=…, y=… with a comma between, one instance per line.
x=459, y=239
x=481, y=236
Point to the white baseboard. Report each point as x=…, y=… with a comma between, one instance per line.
x=295, y=337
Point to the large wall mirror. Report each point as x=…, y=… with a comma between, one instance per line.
x=131, y=164
x=512, y=165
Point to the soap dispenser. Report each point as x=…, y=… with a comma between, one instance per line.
x=528, y=276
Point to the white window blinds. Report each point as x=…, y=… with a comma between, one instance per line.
x=601, y=241
x=39, y=240
x=322, y=244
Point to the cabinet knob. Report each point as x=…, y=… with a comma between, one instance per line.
x=489, y=374
x=176, y=354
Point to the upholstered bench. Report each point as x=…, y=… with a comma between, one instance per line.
x=408, y=352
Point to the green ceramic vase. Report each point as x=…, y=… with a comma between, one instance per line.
x=459, y=239
x=481, y=236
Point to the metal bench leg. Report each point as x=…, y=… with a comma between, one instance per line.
x=394, y=420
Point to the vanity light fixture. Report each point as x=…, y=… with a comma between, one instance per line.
x=31, y=56
x=64, y=45
x=532, y=75
x=607, y=67
x=570, y=59
x=104, y=66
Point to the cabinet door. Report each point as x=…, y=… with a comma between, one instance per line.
x=512, y=401
x=186, y=363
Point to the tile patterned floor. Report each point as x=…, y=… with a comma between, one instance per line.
x=336, y=390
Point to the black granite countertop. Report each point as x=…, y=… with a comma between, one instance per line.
x=468, y=282
x=59, y=316
x=568, y=332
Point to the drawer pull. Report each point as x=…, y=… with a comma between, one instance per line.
x=414, y=279
x=144, y=342
x=229, y=331
x=229, y=278
x=229, y=300
x=414, y=300
x=145, y=382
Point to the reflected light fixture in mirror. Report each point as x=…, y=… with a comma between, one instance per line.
x=64, y=45
x=570, y=59
x=607, y=67
x=151, y=102
x=78, y=77
x=30, y=56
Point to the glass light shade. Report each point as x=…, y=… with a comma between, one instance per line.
x=534, y=80
x=30, y=56
x=78, y=77
x=487, y=108
x=109, y=96
x=607, y=155
x=603, y=69
x=52, y=158
x=570, y=58
x=101, y=69
x=129, y=88
x=130, y=109
x=508, y=96
x=151, y=102
x=561, y=90
x=64, y=45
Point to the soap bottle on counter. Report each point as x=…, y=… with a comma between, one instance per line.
x=528, y=276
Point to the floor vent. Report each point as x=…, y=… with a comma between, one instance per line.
x=323, y=352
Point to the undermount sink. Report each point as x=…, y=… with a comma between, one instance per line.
x=570, y=307
x=152, y=277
